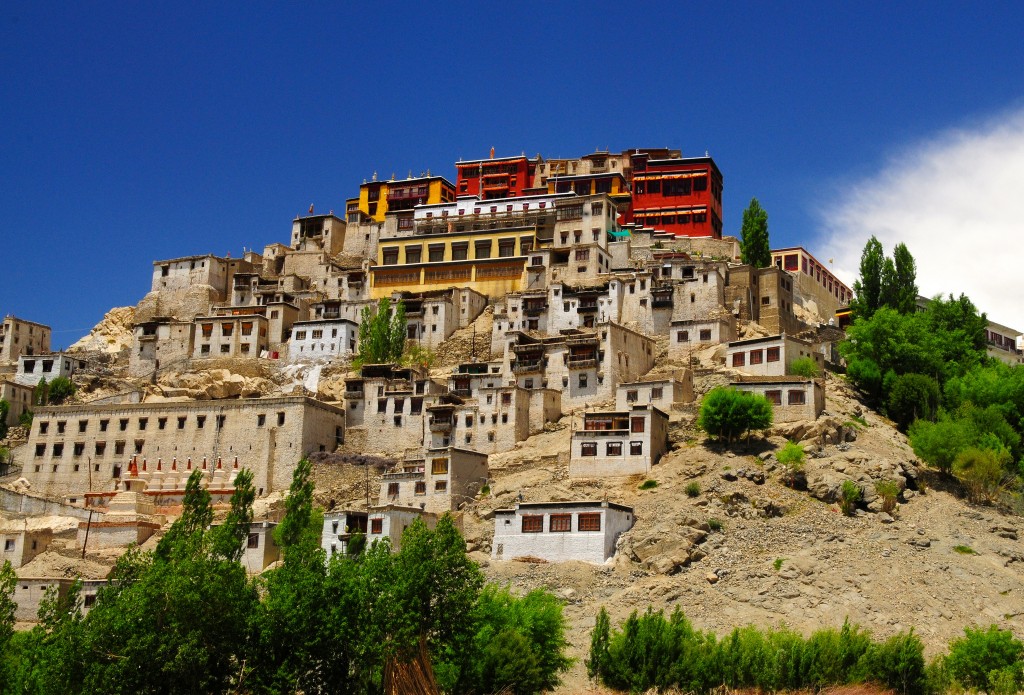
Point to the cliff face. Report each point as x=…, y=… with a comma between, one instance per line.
x=111, y=335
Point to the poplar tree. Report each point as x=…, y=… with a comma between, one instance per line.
x=382, y=333
x=904, y=295
x=754, y=245
x=868, y=287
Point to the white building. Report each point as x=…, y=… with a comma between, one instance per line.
x=34, y=368
x=338, y=529
x=390, y=521
x=793, y=398
x=441, y=481
x=322, y=339
x=560, y=531
x=261, y=550
x=770, y=356
x=618, y=443
x=661, y=393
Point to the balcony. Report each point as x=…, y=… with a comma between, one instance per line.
x=582, y=363
x=581, y=340
x=587, y=307
x=532, y=367
x=404, y=475
x=398, y=387
x=463, y=393
x=533, y=309
x=661, y=300
x=442, y=425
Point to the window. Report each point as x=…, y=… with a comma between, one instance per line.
x=254, y=541
x=460, y=252
x=58, y=449
x=261, y=420
x=613, y=449
x=774, y=396
x=773, y=354
x=161, y=423
x=413, y=254
x=421, y=487
x=143, y=421
x=756, y=356
x=8, y=545
x=739, y=359
x=181, y=423
x=439, y=466
x=797, y=397
x=682, y=336
x=389, y=255
x=765, y=301
x=705, y=334
x=227, y=328
x=220, y=421
x=225, y=348
x=280, y=419
x=377, y=526
x=483, y=249
x=139, y=443
x=583, y=381
x=119, y=448
x=631, y=396
x=40, y=449
x=588, y=449
x=392, y=489
x=43, y=426
x=533, y=523
x=440, y=486
x=60, y=427
x=588, y=522
x=79, y=448
x=636, y=424
x=506, y=248
x=300, y=335
x=200, y=421
x=82, y=424
x=636, y=448
x=560, y=523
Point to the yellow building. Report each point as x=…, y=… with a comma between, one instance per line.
x=489, y=261
x=612, y=184
x=377, y=198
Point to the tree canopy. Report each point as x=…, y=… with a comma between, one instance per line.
x=727, y=413
x=755, y=248
x=382, y=333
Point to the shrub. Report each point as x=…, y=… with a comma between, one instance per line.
x=693, y=489
x=888, y=491
x=805, y=366
x=791, y=457
x=382, y=333
x=982, y=472
x=5, y=408
x=899, y=663
x=849, y=496
x=25, y=419
x=715, y=524
x=648, y=484
x=984, y=658
x=912, y=397
x=60, y=390
x=963, y=549
x=778, y=563
x=726, y=413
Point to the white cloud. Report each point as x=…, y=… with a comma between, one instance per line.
x=956, y=201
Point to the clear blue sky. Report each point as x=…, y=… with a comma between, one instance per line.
x=138, y=131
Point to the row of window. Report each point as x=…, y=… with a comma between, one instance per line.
x=482, y=248
x=440, y=486
x=561, y=523
x=611, y=448
x=793, y=396
x=656, y=395
x=227, y=329
x=739, y=359
x=142, y=423
x=684, y=336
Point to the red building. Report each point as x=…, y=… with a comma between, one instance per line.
x=680, y=195
x=505, y=177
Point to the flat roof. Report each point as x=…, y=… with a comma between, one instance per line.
x=574, y=504
x=12, y=317
x=313, y=321
x=218, y=404
x=786, y=379
x=766, y=339
x=463, y=162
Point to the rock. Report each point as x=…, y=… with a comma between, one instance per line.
x=1007, y=532
x=766, y=455
x=711, y=577
x=885, y=518
x=728, y=475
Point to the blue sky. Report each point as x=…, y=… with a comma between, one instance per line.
x=133, y=132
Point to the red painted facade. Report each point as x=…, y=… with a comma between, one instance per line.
x=682, y=196
x=505, y=177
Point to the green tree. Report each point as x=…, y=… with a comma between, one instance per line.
x=5, y=408
x=726, y=413
x=979, y=655
x=868, y=287
x=903, y=295
x=805, y=366
x=382, y=333
x=8, y=579
x=912, y=396
x=982, y=472
x=41, y=393
x=61, y=389
x=754, y=244
x=887, y=294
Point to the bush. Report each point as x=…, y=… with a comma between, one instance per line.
x=25, y=419
x=805, y=366
x=382, y=333
x=5, y=408
x=715, y=524
x=726, y=413
x=849, y=495
x=888, y=491
x=791, y=457
x=984, y=658
x=982, y=472
x=912, y=397
x=60, y=390
x=648, y=484
x=693, y=489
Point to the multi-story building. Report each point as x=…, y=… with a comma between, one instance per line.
x=770, y=356
x=18, y=397
x=20, y=337
x=76, y=449
x=389, y=521
x=793, y=398
x=161, y=342
x=432, y=317
x=21, y=543
x=814, y=286
x=322, y=339
x=325, y=232
x=618, y=443
x=377, y=198
x=764, y=296
x=338, y=529
x=682, y=196
x=438, y=482
x=1004, y=343
x=587, y=365
x=385, y=406
x=560, y=531
x=33, y=369
x=489, y=179
x=662, y=393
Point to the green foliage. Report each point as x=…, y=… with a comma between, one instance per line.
x=651, y=651
x=715, y=524
x=791, y=455
x=60, y=390
x=693, y=489
x=868, y=287
x=648, y=484
x=964, y=549
x=849, y=495
x=8, y=579
x=982, y=659
x=778, y=563
x=382, y=333
x=912, y=396
x=41, y=393
x=805, y=366
x=25, y=419
x=902, y=295
x=5, y=408
x=888, y=491
x=982, y=472
x=754, y=243
x=726, y=413
x=419, y=356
